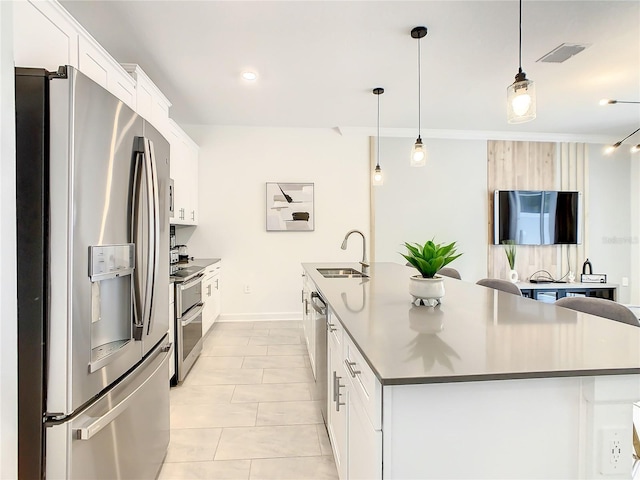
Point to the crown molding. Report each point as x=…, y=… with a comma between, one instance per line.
x=475, y=135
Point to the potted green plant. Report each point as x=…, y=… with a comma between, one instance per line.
x=510, y=251
x=428, y=259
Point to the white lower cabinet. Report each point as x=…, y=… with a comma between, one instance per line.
x=365, y=443
x=307, y=321
x=356, y=442
x=210, y=296
x=337, y=396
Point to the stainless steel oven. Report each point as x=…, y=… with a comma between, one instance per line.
x=189, y=308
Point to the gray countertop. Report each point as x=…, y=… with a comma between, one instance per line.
x=194, y=262
x=560, y=285
x=203, y=262
x=476, y=334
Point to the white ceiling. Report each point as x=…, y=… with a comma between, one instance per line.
x=318, y=61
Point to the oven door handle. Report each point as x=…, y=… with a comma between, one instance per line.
x=193, y=314
x=190, y=283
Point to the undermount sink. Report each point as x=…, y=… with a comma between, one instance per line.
x=340, y=273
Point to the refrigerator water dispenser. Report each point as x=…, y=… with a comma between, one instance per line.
x=110, y=271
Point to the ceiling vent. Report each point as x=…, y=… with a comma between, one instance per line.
x=562, y=53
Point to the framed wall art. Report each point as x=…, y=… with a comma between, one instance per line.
x=289, y=207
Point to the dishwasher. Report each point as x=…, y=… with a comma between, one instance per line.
x=319, y=324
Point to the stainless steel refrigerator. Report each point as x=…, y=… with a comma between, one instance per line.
x=93, y=270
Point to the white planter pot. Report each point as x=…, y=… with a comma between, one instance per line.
x=513, y=276
x=428, y=290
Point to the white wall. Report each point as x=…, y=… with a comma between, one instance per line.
x=8, y=335
x=235, y=163
x=634, y=294
x=446, y=199
x=610, y=221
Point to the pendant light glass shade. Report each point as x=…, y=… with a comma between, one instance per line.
x=377, y=178
x=521, y=100
x=609, y=149
x=418, y=153
x=521, y=94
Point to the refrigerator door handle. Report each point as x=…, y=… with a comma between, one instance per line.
x=155, y=214
x=143, y=149
x=137, y=298
x=97, y=424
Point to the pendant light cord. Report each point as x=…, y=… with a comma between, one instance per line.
x=632, y=133
x=520, y=40
x=419, y=100
x=378, y=147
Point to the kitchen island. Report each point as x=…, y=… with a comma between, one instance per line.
x=486, y=385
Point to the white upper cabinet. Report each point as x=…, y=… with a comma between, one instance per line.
x=184, y=172
x=97, y=64
x=150, y=101
x=44, y=36
x=47, y=36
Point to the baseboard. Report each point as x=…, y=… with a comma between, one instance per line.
x=259, y=317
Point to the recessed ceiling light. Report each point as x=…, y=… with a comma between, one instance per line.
x=250, y=76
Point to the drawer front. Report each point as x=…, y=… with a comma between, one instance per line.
x=366, y=386
x=334, y=332
x=212, y=269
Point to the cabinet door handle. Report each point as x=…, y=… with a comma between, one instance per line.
x=208, y=290
x=336, y=391
x=350, y=366
x=217, y=283
x=193, y=215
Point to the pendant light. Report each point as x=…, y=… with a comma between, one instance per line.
x=612, y=148
x=608, y=101
x=609, y=149
x=521, y=94
x=418, y=153
x=378, y=178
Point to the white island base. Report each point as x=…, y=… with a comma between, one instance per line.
x=546, y=428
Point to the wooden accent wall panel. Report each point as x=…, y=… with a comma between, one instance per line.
x=520, y=166
x=574, y=175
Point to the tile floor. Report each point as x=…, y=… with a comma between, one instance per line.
x=246, y=410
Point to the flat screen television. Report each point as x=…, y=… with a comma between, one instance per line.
x=537, y=217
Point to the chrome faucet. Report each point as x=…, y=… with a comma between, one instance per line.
x=364, y=262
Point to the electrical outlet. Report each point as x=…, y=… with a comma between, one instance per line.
x=612, y=451
x=625, y=281
x=247, y=288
